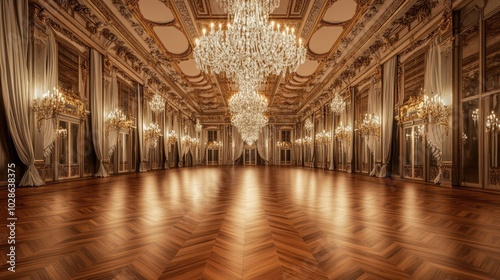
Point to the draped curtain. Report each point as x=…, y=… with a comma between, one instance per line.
x=15, y=83
x=388, y=90
x=262, y=147
x=140, y=130
x=332, y=143
x=372, y=109
x=166, y=129
x=237, y=145
x=437, y=80
x=112, y=104
x=313, y=143
x=97, y=107
x=177, y=130
x=51, y=62
x=147, y=118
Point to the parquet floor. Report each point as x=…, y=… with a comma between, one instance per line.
x=252, y=223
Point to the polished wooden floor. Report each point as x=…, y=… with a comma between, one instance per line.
x=252, y=223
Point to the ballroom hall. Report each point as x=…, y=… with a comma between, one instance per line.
x=250, y=139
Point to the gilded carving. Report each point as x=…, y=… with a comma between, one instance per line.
x=420, y=11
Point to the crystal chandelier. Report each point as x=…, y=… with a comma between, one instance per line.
x=284, y=145
x=171, y=137
x=475, y=116
x=323, y=138
x=370, y=126
x=433, y=111
x=309, y=125
x=195, y=142
x=249, y=125
x=186, y=140
x=492, y=123
x=61, y=132
x=213, y=145
x=247, y=102
x=152, y=132
x=157, y=103
x=49, y=106
x=343, y=133
x=198, y=126
x=338, y=104
x=116, y=120
x=250, y=48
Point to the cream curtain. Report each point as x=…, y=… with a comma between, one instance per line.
x=262, y=147
x=112, y=104
x=97, y=107
x=237, y=145
x=51, y=61
x=388, y=90
x=438, y=81
x=140, y=131
x=15, y=83
x=372, y=109
x=166, y=129
x=332, y=143
x=178, y=130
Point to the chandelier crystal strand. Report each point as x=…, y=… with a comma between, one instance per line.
x=231, y=6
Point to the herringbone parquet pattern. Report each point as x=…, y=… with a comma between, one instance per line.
x=252, y=223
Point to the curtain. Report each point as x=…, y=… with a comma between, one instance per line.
x=15, y=83
x=433, y=83
x=332, y=143
x=140, y=131
x=237, y=145
x=177, y=130
x=51, y=62
x=166, y=129
x=112, y=104
x=262, y=147
x=97, y=107
x=147, y=119
x=372, y=109
x=313, y=143
x=388, y=90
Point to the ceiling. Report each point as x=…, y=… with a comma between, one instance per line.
x=334, y=32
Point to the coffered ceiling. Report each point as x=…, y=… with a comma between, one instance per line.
x=337, y=34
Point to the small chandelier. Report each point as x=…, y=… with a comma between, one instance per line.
x=61, y=133
x=433, y=111
x=284, y=145
x=49, y=106
x=157, y=103
x=370, y=126
x=198, y=127
x=117, y=120
x=152, y=132
x=492, y=123
x=213, y=145
x=475, y=116
x=171, y=137
x=186, y=140
x=195, y=142
x=323, y=138
x=309, y=125
x=338, y=104
x=343, y=133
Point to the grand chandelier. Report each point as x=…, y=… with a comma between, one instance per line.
x=249, y=125
x=433, y=111
x=157, y=103
x=247, y=102
x=337, y=105
x=152, y=132
x=48, y=106
x=370, y=126
x=116, y=120
x=323, y=138
x=343, y=133
x=250, y=48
